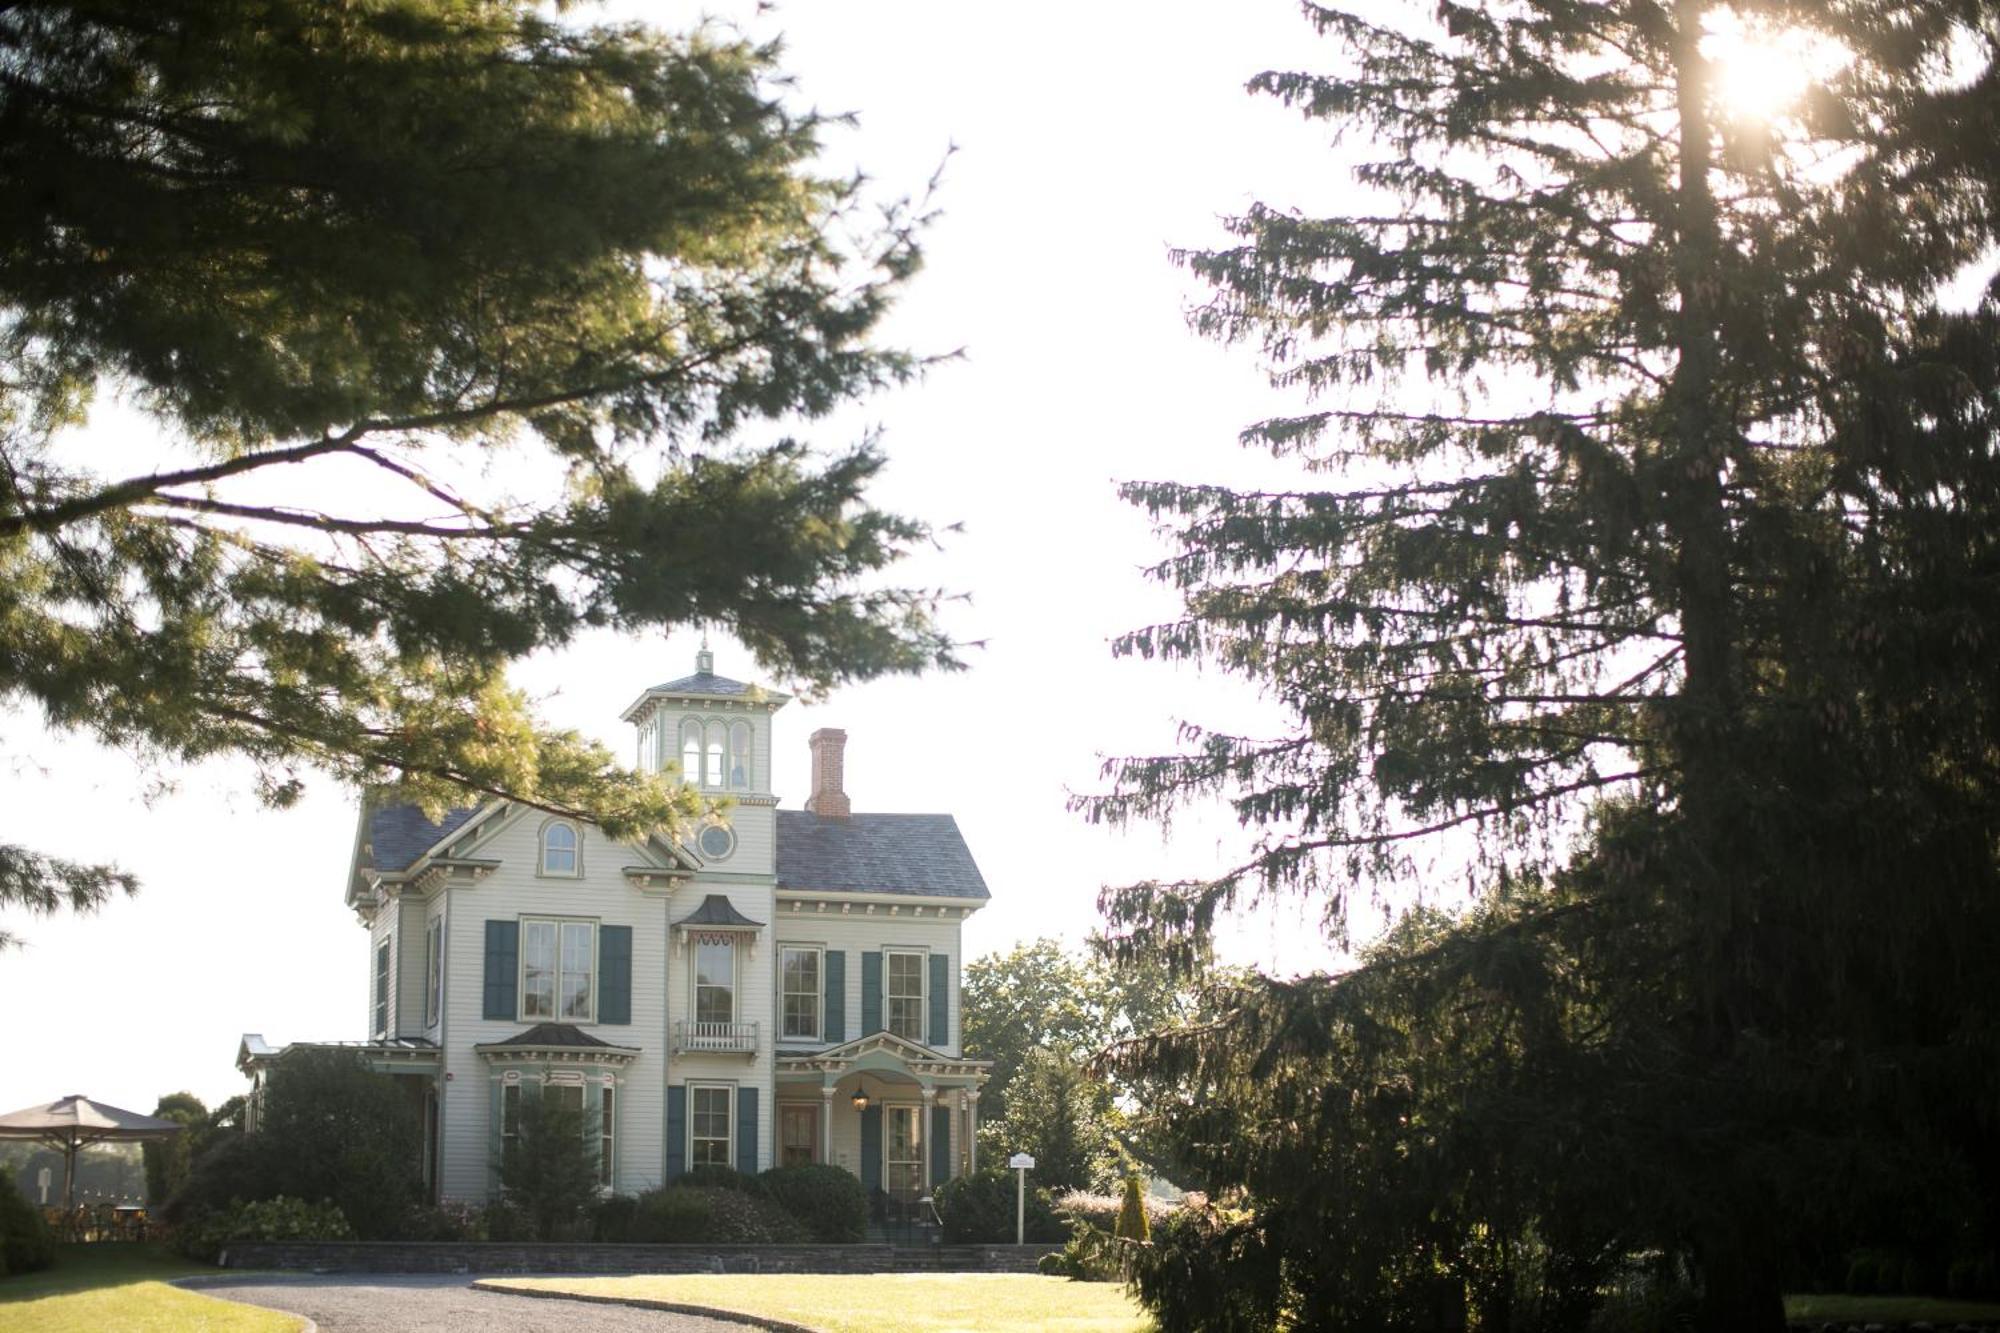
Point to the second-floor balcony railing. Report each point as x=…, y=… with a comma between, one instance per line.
x=737, y=1038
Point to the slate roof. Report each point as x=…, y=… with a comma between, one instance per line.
x=399, y=834
x=704, y=682
x=921, y=855
x=544, y=1035
x=717, y=910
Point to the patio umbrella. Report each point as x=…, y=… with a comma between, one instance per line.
x=74, y=1122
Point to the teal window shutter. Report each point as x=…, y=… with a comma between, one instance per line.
x=871, y=993
x=677, y=1129
x=836, y=995
x=614, y=986
x=746, y=1130
x=503, y=963
x=940, y=1144
x=940, y=1000
x=871, y=1147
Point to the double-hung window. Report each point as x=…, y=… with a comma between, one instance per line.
x=799, y=992
x=434, y=971
x=381, y=1025
x=903, y=983
x=715, y=979
x=558, y=970
x=709, y=1116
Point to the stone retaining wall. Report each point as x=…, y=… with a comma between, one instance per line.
x=502, y=1257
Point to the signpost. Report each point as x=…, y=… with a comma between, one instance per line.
x=1022, y=1164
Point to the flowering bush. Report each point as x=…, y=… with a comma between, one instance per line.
x=205, y=1236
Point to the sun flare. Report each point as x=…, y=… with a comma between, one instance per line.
x=1761, y=73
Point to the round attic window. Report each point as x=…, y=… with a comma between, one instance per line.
x=717, y=842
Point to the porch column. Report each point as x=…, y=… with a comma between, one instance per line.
x=826, y=1124
x=930, y=1100
x=972, y=1131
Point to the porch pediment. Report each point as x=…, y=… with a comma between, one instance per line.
x=884, y=1052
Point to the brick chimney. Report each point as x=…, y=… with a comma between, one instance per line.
x=829, y=751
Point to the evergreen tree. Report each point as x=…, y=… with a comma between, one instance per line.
x=1660, y=588
x=549, y=1167
x=465, y=327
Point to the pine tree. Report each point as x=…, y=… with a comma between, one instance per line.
x=1133, y=1224
x=465, y=327
x=1659, y=588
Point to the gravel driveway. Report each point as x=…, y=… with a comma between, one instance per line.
x=375, y=1304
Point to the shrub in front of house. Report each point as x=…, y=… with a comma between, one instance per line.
x=25, y=1243
x=717, y=1178
x=611, y=1221
x=827, y=1201
x=441, y=1222
x=739, y=1218
x=329, y=1129
x=204, y=1237
x=979, y=1210
x=667, y=1217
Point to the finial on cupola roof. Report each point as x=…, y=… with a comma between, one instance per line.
x=704, y=661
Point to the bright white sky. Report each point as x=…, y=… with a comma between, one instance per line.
x=1092, y=137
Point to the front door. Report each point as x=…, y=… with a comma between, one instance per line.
x=903, y=1155
x=798, y=1134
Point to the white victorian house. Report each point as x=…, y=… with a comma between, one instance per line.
x=780, y=989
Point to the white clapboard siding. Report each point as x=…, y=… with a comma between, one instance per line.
x=756, y=986
x=516, y=889
x=859, y=931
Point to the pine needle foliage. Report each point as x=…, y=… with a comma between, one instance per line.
x=465, y=326
x=1645, y=562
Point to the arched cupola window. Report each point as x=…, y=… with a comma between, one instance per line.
x=691, y=752
x=739, y=756
x=559, y=848
x=717, y=740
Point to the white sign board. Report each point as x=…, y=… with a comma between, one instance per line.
x=1020, y=1161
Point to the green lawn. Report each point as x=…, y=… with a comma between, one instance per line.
x=98, y=1287
x=884, y=1303
x=1837, y=1308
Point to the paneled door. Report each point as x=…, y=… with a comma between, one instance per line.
x=798, y=1134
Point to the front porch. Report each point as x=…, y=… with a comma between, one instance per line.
x=900, y=1116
